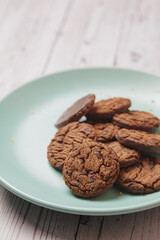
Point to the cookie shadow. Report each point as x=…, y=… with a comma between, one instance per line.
x=111, y=194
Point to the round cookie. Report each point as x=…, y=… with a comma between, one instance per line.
x=76, y=111
x=65, y=139
x=90, y=169
x=139, y=140
x=143, y=177
x=107, y=108
x=126, y=156
x=105, y=132
x=139, y=120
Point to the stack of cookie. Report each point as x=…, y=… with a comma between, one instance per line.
x=111, y=146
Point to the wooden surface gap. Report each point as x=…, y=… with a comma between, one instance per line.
x=59, y=31
x=100, y=229
x=76, y=233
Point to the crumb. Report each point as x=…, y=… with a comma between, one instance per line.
x=120, y=194
x=132, y=89
x=12, y=140
x=153, y=101
x=151, y=109
x=32, y=111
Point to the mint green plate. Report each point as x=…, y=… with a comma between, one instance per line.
x=27, y=118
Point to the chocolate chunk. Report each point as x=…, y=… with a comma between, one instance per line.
x=105, y=132
x=70, y=172
x=92, y=177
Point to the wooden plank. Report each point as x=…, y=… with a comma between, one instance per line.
x=147, y=225
x=60, y=226
x=140, y=226
x=22, y=220
x=89, y=228
x=140, y=36
x=48, y=225
x=13, y=211
x=4, y=9
x=92, y=41
x=117, y=227
x=27, y=33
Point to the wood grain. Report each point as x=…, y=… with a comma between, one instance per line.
x=140, y=36
x=94, y=40
x=25, y=46
x=54, y=35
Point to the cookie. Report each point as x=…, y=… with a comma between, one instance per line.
x=139, y=120
x=90, y=169
x=76, y=111
x=105, y=132
x=107, y=108
x=65, y=139
x=143, y=177
x=139, y=140
x=126, y=156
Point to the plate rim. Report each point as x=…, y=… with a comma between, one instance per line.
x=81, y=210
x=75, y=70
x=78, y=211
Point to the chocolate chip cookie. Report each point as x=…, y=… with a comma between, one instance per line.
x=105, y=132
x=76, y=111
x=90, y=169
x=65, y=139
x=107, y=108
x=126, y=156
x=139, y=140
x=143, y=177
x=139, y=120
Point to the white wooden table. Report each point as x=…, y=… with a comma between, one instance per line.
x=38, y=37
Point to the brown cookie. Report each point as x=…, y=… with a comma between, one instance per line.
x=76, y=111
x=126, y=156
x=136, y=120
x=143, y=177
x=65, y=139
x=105, y=132
x=139, y=140
x=107, y=108
x=90, y=169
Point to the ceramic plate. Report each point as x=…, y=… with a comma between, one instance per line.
x=27, y=118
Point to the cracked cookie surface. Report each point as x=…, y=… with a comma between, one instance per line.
x=76, y=111
x=139, y=120
x=139, y=140
x=105, y=132
x=126, y=156
x=90, y=169
x=65, y=139
x=143, y=177
x=107, y=108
